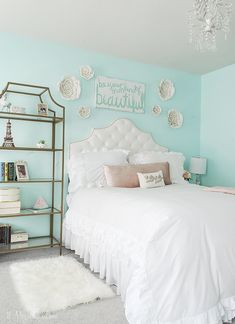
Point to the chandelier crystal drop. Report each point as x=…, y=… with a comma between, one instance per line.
x=207, y=18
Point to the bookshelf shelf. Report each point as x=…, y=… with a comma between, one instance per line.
x=55, y=116
x=33, y=212
x=30, y=117
x=42, y=180
x=32, y=243
x=31, y=149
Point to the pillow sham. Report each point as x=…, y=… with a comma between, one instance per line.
x=86, y=169
x=126, y=175
x=175, y=159
x=151, y=180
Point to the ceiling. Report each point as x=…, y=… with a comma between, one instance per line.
x=150, y=31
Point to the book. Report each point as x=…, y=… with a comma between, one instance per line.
x=9, y=234
x=11, y=171
x=9, y=194
x=9, y=191
x=2, y=234
x=6, y=172
x=9, y=211
x=2, y=171
x=5, y=234
x=9, y=198
x=9, y=204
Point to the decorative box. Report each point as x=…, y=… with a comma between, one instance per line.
x=19, y=236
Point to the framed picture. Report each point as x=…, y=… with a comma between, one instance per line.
x=42, y=109
x=21, y=171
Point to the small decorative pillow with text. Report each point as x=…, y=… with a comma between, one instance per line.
x=151, y=180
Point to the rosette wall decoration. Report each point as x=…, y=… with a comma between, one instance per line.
x=175, y=119
x=86, y=72
x=157, y=110
x=70, y=88
x=84, y=112
x=166, y=90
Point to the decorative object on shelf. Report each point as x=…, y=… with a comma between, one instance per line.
x=198, y=166
x=8, y=139
x=40, y=203
x=175, y=119
x=119, y=95
x=187, y=175
x=17, y=110
x=42, y=109
x=157, y=110
x=21, y=170
x=84, y=112
x=206, y=20
x=70, y=88
x=86, y=72
x=19, y=236
x=166, y=90
x=41, y=144
x=3, y=102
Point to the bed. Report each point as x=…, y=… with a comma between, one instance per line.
x=170, y=251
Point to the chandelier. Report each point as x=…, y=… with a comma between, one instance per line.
x=207, y=18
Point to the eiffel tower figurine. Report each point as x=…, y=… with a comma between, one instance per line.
x=8, y=139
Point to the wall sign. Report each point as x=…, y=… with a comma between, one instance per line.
x=119, y=95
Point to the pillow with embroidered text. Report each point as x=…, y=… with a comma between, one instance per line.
x=151, y=180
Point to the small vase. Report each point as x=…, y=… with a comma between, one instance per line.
x=40, y=145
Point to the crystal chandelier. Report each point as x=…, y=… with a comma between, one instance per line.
x=206, y=19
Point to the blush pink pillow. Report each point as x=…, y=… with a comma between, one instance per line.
x=126, y=175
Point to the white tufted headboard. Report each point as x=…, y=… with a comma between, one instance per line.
x=122, y=134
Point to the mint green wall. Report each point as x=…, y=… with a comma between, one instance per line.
x=218, y=126
x=29, y=61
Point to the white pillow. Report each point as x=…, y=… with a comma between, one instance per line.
x=86, y=169
x=175, y=159
x=151, y=180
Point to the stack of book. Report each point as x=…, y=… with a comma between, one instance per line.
x=9, y=201
x=5, y=234
x=7, y=171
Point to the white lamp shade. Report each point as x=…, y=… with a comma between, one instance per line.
x=198, y=165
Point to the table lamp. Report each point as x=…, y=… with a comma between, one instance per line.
x=198, y=166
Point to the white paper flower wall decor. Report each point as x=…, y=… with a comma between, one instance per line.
x=70, y=88
x=157, y=110
x=84, y=112
x=175, y=119
x=86, y=72
x=166, y=90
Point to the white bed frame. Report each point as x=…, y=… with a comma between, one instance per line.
x=122, y=134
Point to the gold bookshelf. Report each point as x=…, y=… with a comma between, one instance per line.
x=52, y=119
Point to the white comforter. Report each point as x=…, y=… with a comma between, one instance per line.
x=170, y=250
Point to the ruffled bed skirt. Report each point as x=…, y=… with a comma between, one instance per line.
x=120, y=263
x=106, y=252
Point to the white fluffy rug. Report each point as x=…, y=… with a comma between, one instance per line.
x=53, y=284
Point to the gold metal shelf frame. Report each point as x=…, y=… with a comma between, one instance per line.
x=39, y=91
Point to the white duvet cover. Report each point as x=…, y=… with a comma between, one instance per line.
x=169, y=250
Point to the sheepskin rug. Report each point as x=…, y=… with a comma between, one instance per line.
x=53, y=284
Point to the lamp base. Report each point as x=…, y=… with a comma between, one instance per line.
x=198, y=179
